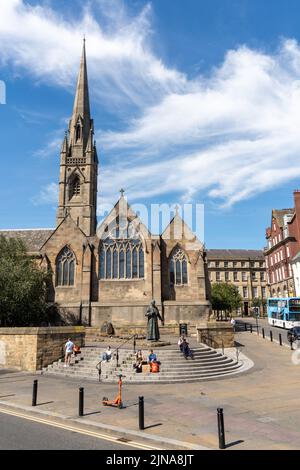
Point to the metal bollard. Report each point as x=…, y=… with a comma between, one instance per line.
x=263, y=333
x=134, y=343
x=271, y=336
x=251, y=327
x=141, y=414
x=117, y=358
x=280, y=339
x=81, y=401
x=34, y=392
x=245, y=326
x=221, y=430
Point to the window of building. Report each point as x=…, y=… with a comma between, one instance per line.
x=121, y=259
x=279, y=237
x=74, y=186
x=253, y=276
x=244, y=276
x=218, y=276
x=178, y=268
x=245, y=292
x=252, y=264
x=65, y=268
x=217, y=264
x=234, y=264
x=243, y=264
x=225, y=264
x=263, y=292
x=288, y=251
x=78, y=133
x=262, y=276
x=255, y=292
x=235, y=276
x=226, y=276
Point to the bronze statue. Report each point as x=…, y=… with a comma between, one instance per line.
x=152, y=327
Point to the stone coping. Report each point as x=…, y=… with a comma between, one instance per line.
x=42, y=330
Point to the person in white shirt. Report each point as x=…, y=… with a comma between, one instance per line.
x=106, y=356
x=69, y=346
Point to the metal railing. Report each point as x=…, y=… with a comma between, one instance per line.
x=116, y=350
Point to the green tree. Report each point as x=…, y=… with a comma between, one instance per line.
x=225, y=297
x=23, y=286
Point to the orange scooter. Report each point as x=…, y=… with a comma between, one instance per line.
x=118, y=401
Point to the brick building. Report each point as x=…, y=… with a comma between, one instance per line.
x=244, y=269
x=282, y=251
x=112, y=272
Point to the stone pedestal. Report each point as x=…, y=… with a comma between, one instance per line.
x=216, y=334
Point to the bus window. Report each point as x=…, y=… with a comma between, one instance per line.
x=294, y=305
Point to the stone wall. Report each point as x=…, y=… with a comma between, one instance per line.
x=31, y=349
x=216, y=334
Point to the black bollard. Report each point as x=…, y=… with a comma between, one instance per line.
x=263, y=333
x=81, y=401
x=245, y=326
x=141, y=414
x=134, y=343
x=221, y=430
x=251, y=327
x=280, y=339
x=117, y=358
x=271, y=336
x=34, y=392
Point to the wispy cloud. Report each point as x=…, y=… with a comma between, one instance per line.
x=47, y=195
x=234, y=133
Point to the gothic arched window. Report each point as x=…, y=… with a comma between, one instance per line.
x=178, y=268
x=65, y=268
x=74, y=188
x=77, y=133
x=121, y=259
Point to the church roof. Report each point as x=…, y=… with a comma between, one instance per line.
x=235, y=254
x=32, y=238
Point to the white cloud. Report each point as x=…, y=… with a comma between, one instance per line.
x=234, y=133
x=47, y=195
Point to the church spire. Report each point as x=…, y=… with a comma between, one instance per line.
x=80, y=123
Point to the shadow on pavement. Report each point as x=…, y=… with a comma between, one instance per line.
x=153, y=426
x=231, y=444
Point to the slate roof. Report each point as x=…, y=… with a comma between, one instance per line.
x=33, y=238
x=235, y=254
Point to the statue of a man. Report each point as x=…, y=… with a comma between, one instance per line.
x=152, y=327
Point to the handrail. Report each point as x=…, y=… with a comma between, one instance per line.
x=98, y=366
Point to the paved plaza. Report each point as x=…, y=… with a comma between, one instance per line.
x=260, y=406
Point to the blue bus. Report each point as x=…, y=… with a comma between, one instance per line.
x=284, y=312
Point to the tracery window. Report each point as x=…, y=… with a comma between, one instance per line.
x=65, y=268
x=74, y=189
x=178, y=268
x=121, y=259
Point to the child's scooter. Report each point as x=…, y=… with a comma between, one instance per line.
x=118, y=401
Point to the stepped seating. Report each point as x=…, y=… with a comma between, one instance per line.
x=207, y=364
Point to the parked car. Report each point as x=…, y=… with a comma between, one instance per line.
x=293, y=334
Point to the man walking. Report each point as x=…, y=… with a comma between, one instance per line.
x=69, y=346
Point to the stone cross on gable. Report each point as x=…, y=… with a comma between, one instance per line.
x=122, y=191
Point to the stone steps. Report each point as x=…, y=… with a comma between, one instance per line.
x=207, y=364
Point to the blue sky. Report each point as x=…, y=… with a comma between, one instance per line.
x=194, y=101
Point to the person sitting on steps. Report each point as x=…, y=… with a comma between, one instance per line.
x=106, y=356
x=138, y=365
x=187, y=352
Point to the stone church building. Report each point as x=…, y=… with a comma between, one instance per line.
x=113, y=271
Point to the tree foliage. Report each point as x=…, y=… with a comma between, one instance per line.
x=22, y=286
x=225, y=297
